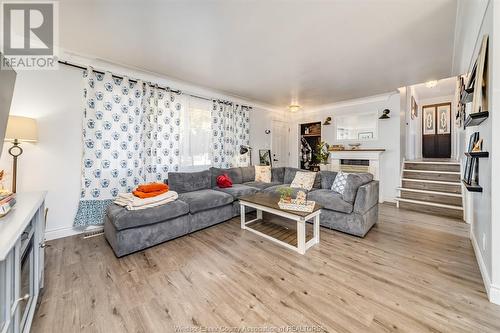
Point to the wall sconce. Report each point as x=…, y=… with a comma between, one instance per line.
x=385, y=114
x=327, y=121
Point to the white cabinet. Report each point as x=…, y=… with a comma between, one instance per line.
x=21, y=262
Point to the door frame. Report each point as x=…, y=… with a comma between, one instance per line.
x=286, y=125
x=436, y=123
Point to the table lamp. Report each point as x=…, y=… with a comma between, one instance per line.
x=19, y=129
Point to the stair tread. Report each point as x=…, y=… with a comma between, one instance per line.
x=433, y=171
x=451, y=194
x=432, y=181
x=434, y=162
x=428, y=203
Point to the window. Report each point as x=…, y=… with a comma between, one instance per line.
x=196, y=135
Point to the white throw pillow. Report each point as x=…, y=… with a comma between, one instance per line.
x=303, y=180
x=340, y=182
x=263, y=173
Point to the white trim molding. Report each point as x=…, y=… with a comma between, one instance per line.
x=492, y=290
x=66, y=232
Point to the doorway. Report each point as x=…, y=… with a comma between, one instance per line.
x=279, y=145
x=436, y=130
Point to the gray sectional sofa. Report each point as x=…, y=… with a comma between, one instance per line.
x=202, y=204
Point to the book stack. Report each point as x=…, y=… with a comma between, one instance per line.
x=7, y=201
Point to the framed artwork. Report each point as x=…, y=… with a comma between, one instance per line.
x=265, y=157
x=365, y=135
x=470, y=163
x=429, y=116
x=414, y=108
x=443, y=119
x=478, y=79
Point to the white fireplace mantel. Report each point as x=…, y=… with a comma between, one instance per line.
x=372, y=155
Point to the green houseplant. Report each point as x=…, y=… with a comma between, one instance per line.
x=322, y=154
x=285, y=194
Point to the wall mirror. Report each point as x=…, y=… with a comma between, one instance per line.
x=356, y=127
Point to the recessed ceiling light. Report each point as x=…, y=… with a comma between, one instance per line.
x=431, y=84
x=294, y=107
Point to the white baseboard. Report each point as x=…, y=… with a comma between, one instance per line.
x=492, y=290
x=51, y=234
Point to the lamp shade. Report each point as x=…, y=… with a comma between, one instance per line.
x=21, y=128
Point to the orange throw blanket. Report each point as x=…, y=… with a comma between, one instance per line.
x=153, y=187
x=144, y=195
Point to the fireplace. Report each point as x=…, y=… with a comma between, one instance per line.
x=359, y=160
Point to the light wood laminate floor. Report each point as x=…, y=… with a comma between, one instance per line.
x=412, y=273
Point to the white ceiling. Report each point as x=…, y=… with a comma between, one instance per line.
x=274, y=52
x=445, y=87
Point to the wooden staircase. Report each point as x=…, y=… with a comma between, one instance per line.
x=431, y=186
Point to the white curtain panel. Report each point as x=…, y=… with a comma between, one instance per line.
x=130, y=136
x=230, y=130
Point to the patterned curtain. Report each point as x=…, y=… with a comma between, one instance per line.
x=130, y=135
x=162, y=113
x=230, y=130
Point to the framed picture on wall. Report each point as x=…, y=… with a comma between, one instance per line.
x=365, y=135
x=265, y=157
x=429, y=117
x=414, y=108
x=443, y=116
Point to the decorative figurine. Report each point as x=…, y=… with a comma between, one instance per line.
x=301, y=198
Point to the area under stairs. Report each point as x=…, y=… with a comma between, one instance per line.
x=431, y=186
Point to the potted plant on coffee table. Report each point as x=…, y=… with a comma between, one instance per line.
x=285, y=194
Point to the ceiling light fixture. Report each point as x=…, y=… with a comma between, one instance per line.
x=294, y=107
x=431, y=84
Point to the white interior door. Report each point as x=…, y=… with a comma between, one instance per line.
x=279, y=143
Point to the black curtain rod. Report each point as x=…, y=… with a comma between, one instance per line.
x=162, y=88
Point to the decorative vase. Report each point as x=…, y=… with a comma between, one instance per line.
x=323, y=167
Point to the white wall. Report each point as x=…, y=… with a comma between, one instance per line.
x=388, y=134
x=474, y=19
x=54, y=98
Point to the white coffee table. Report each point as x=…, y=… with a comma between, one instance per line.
x=265, y=202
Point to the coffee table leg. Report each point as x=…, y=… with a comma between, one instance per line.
x=242, y=216
x=316, y=229
x=301, y=236
x=259, y=214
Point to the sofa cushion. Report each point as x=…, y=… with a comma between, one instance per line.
x=354, y=181
x=303, y=179
x=233, y=173
x=330, y=200
x=278, y=174
x=189, y=181
x=261, y=185
x=290, y=175
x=247, y=174
x=327, y=179
x=205, y=199
x=263, y=173
x=238, y=190
x=122, y=218
x=275, y=188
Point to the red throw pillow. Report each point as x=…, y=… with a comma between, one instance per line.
x=224, y=181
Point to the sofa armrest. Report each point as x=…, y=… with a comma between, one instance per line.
x=366, y=197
